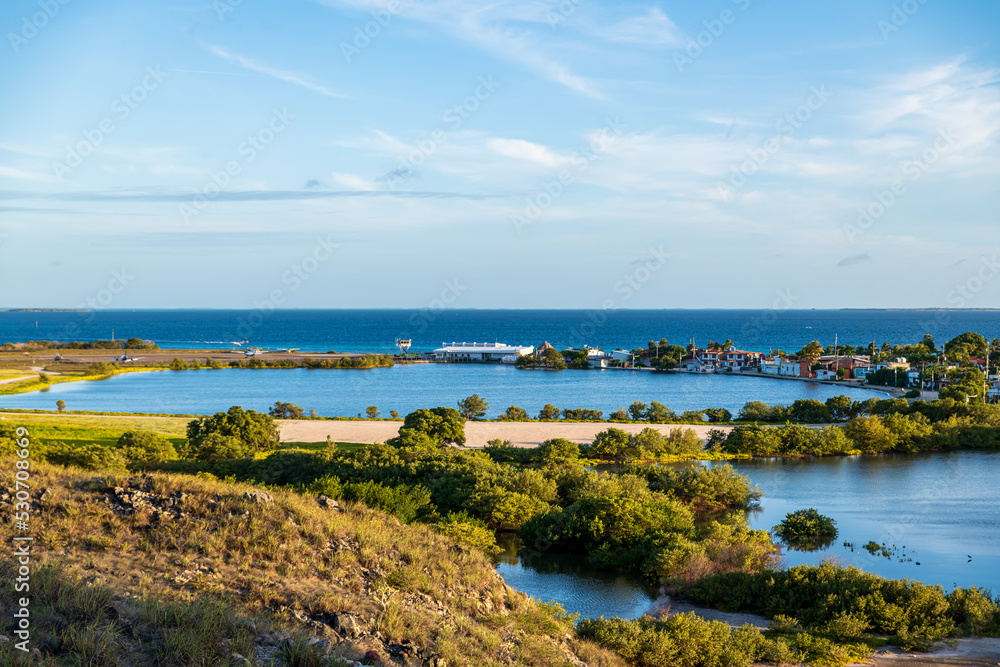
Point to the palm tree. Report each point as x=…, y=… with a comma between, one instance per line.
x=812, y=352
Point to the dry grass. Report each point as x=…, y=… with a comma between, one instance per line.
x=273, y=560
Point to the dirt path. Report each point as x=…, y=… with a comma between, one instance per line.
x=975, y=652
x=664, y=607
x=521, y=434
x=13, y=380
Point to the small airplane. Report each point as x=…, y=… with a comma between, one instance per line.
x=125, y=359
x=253, y=352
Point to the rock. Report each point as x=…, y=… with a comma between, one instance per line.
x=346, y=625
x=45, y=495
x=329, y=504
x=359, y=649
x=272, y=638
x=258, y=497
x=4, y=639
x=238, y=660
x=321, y=646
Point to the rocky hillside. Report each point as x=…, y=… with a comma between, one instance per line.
x=177, y=570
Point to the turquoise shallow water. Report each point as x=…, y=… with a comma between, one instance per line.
x=405, y=388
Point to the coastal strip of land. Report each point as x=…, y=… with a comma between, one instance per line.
x=477, y=434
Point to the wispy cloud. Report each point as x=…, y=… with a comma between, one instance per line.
x=167, y=195
x=289, y=77
x=504, y=29
x=520, y=149
x=855, y=259
x=22, y=175
x=23, y=150
x=653, y=28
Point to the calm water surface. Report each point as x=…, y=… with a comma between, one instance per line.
x=938, y=510
x=375, y=330
x=405, y=388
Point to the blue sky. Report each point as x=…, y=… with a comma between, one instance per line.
x=355, y=153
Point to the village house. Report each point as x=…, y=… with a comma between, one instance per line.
x=711, y=360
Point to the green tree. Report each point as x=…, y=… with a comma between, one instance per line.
x=638, y=411
x=146, y=447
x=177, y=364
x=282, y=410
x=215, y=447
x=614, y=444
x=254, y=430
x=658, y=413
x=966, y=345
x=718, y=415
x=619, y=415
x=549, y=412
x=755, y=411
x=812, y=352
x=372, y=412
x=840, y=407
x=558, y=450
x=439, y=426
x=870, y=435
x=514, y=414
x=473, y=407
x=60, y=405
x=810, y=411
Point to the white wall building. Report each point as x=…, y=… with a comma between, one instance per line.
x=482, y=352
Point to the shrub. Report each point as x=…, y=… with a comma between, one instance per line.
x=146, y=447
x=682, y=640
x=405, y=502
x=91, y=457
x=718, y=415
x=440, y=426
x=806, y=523
x=719, y=486
x=256, y=432
x=915, y=614
x=658, y=413
x=549, y=412
x=283, y=410
x=463, y=528
x=558, y=450
x=216, y=447
x=514, y=414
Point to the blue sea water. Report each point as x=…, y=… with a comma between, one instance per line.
x=376, y=330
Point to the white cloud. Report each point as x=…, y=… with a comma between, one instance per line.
x=520, y=149
x=290, y=77
x=22, y=175
x=505, y=29
x=352, y=181
x=653, y=28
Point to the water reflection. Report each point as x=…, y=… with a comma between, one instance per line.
x=570, y=581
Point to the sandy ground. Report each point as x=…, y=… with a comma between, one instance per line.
x=13, y=380
x=978, y=652
x=161, y=356
x=521, y=434
x=665, y=607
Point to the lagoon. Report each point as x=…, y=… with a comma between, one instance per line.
x=936, y=513
x=407, y=387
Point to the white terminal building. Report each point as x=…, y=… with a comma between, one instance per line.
x=502, y=352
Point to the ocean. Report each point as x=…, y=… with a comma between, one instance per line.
x=377, y=330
